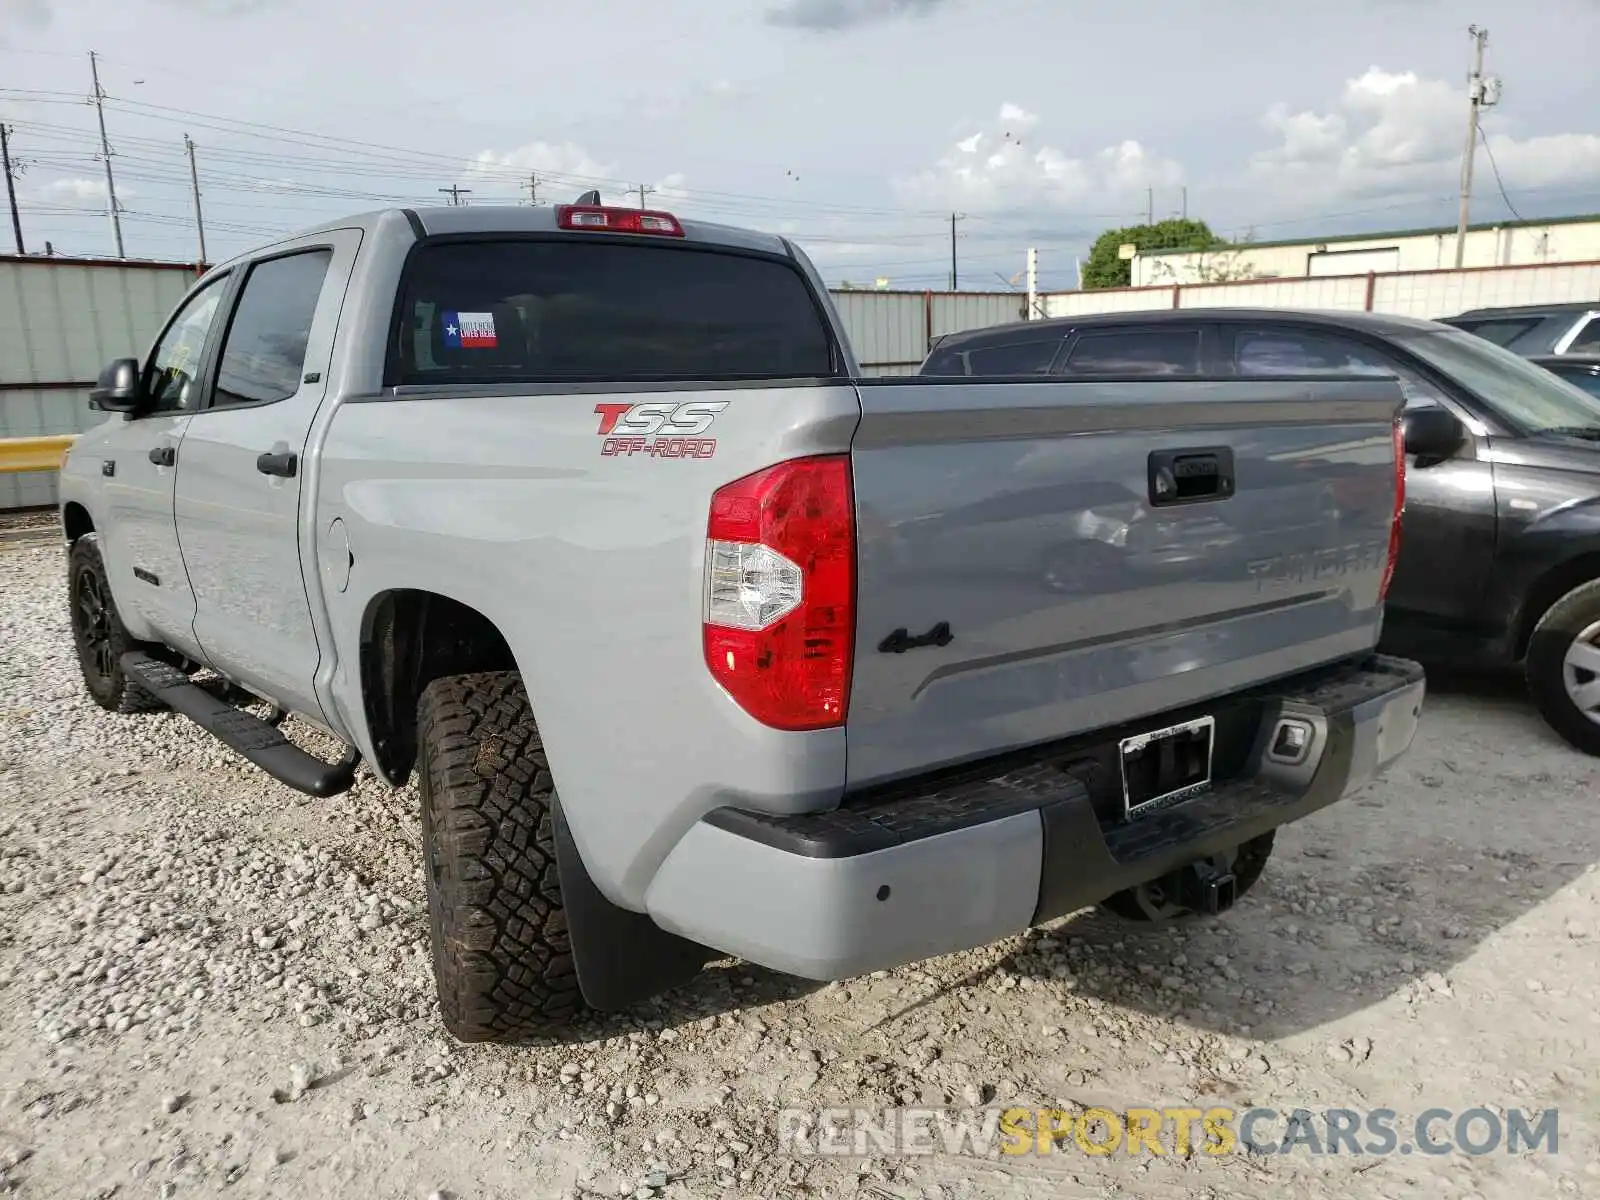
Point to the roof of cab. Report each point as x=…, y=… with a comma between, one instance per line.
x=445, y=220
x=1379, y=323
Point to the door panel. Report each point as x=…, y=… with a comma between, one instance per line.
x=237, y=512
x=147, y=571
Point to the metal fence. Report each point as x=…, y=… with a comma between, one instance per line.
x=61, y=320
x=890, y=331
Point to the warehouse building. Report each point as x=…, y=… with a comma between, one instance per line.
x=1502, y=244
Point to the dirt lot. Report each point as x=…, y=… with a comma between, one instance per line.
x=210, y=984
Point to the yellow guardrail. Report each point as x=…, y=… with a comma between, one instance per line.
x=34, y=454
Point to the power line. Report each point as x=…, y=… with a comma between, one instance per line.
x=1495, y=167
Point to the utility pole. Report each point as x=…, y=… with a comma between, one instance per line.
x=455, y=193
x=1150, y=206
x=954, y=217
x=11, y=185
x=105, y=152
x=1033, y=284
x=533, y=188
x=194, y=189
x=1475, y=90
x=1183, y=209
x=643, y=192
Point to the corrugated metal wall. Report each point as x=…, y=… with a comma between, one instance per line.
x=61, y=321
x=890, y=331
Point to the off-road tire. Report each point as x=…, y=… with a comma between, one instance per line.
x=502, y=956
x=1570, y=618
x=98, y=634
x=1136, y=904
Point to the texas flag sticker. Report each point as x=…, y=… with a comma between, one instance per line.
x=469, y=331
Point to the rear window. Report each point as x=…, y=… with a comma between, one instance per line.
x=1511, y=332
x=590, y=311
x=1586, y=340
x=1137, y=352
x=1031, y=357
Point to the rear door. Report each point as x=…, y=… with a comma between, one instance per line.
x=241, y=475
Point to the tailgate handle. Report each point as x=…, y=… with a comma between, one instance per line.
x=1191, y=476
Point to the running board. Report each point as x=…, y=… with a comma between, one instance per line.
x=256, y=740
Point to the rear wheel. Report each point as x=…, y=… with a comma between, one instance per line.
x=1160, y=899
x=1563, y=667
x=502, y=956
x=98, y=634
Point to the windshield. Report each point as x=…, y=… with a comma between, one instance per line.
x=1524, y=394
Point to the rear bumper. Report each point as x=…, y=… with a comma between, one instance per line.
x=944, y=864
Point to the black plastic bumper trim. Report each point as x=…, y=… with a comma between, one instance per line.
x=1081, y=854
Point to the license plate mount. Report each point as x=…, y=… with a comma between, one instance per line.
x=1165, y=766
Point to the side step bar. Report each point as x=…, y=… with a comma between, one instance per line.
x=257, y=740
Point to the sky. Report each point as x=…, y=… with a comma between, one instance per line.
x=855, y=126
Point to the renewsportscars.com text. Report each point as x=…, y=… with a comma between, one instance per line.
x=1175, y=1130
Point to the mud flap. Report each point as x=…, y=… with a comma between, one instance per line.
x=621, y=957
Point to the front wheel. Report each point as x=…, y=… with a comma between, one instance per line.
x=1563, y=667
x=98, y=634
x=502, y=955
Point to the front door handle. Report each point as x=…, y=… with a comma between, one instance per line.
x=284, y=465
x=164, y=456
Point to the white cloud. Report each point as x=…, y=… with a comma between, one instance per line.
x=1387, y=136
x=1396, y=134
x=84, y=189
x=565, y=172
x=1004, y=167
x=1015, y=117
x=563, y=164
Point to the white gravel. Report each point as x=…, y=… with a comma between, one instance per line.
x=210, y=983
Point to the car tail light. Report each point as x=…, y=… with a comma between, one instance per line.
x=617, y=220
x=780, y=592
x=1399, y=439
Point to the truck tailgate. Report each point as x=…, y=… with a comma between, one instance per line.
x=1040, y=559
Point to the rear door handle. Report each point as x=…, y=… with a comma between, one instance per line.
x=284, y=465
x=164, y=456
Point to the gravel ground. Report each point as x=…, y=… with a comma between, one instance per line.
x=209, y=983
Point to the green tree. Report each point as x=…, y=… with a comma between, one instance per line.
x=1105, y=270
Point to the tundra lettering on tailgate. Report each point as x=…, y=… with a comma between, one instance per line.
x=1330, y=563
x=659, y=429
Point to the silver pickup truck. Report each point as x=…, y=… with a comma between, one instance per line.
x=700, y=643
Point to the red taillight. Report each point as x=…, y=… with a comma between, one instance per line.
x=617, y=220
x=1399, y=438
x=780, y=592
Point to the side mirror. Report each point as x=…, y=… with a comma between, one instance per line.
x=118, y=389
x=1431, y=432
